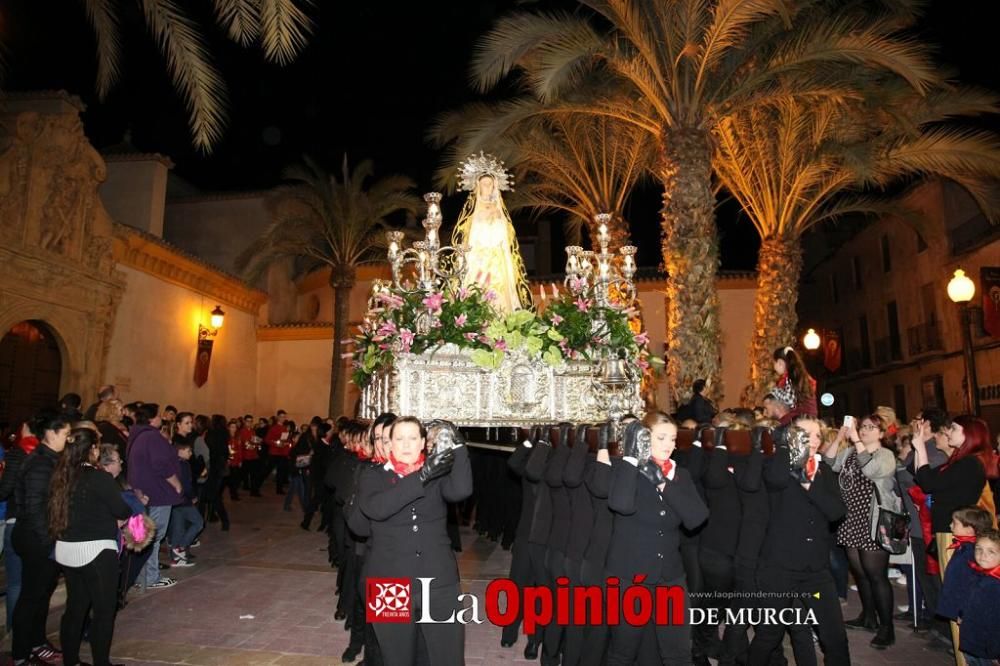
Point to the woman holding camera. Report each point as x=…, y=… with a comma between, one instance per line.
x=867, y=478
x=405, y=501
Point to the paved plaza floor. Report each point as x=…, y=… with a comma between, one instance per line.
x=263, y=593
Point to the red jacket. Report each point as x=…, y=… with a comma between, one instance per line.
x=235, y=451
x=250, y=448
x=277, y=447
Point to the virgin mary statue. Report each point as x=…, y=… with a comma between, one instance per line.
x=484, y=226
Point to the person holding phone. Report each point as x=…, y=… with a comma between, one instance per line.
x=867, y=481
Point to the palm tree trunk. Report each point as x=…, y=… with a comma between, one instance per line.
x=774, y=319
x=342, y=281
x=691, y=260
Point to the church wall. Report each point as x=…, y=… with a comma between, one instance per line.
x=294, y=375
x=216, y=229
x=153, y=347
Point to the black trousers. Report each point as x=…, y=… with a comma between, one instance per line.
x=236, y=476
x=521, y=574
x=39, y=576
x=717, y=579
x=253, y=471
x=673, y=642
x=595, y=638
x=552, y=641
x=280, y=472
x=802, y=589
x=574, y=635
x=92, y=587
x=445, y=642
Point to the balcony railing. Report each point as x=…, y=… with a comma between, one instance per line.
x=924, y=338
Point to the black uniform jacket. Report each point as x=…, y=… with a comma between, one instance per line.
x=646, y=537
x=409, y=536
x=800, y=527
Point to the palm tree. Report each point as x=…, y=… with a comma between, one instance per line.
x=580, y=165
x=338, y=224
x=279, y=25
x=676, y=68
x=793, y=166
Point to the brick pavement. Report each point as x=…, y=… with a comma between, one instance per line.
x=268, y=568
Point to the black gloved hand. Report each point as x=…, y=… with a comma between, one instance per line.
x=652, y=471
x=564, y=430
x=438, y=464
x=544, y=435
x=637, y=442
x=720, y=437
x=581, y=436
x=699, y=432
x=536, y=434
x=757, y=439
x=604, y=436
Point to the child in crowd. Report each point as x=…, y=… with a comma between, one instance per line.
x=185, y=521
x=979, y=613
x=966, y=524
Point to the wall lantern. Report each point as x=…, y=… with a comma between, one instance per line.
x=811, y=340
x=206, y=340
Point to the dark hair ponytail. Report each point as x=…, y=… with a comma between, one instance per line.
x=79, y=448
x=798, y=376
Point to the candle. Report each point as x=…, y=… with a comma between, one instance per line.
x=541, y=291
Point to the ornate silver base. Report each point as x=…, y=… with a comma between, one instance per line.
x=446, y=384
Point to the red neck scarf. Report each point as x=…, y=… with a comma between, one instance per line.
x=811, y=467
x=665, y=466
x=992, y=573
x=378, y=459
x=28, y=444
x=402, y=468
x=957, y=541
x=362, y=454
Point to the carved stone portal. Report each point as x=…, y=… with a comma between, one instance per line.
x=56, y=262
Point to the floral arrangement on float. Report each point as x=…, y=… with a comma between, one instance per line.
x=572, y=326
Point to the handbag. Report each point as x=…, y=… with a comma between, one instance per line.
x=892, y=529
x=303, y=461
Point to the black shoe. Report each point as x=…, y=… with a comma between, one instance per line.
x=339, y=615
x=885, y=637
x=164, y=567
x=321, y=528
x=862, y=623
x=531, y=650
x=351, y=653
x=504, y=643
x=903, y=617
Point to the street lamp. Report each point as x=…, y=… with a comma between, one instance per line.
x=811, y=340
x=961, y=290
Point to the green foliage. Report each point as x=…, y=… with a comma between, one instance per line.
x=570, y=328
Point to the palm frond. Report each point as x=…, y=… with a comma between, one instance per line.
x=191, y=70
x=104, y=20
x=517, y=37
x=240, y=18
x=284, y=30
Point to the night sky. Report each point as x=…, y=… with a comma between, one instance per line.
x=373, y=77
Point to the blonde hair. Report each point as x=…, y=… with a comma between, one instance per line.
x=109, y=410
x=656, y=418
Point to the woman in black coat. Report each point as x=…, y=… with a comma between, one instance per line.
x=33, y=543
x=405, y=501
x=652, y=498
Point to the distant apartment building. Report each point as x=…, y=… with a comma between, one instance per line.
x=882, y=295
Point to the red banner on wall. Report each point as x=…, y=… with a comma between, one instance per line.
x=831, y=353
x=202, y=361
x=989, y=278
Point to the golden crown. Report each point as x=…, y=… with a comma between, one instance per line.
x=477, y=166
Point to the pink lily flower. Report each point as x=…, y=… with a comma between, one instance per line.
x=434, y=302
x=641, y=339
x=556, y=320
x=582, y=304
x=461, y=319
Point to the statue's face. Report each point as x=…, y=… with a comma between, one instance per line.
x=486, y=188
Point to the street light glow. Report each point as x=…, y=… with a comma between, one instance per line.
x=811, y=340
x=960, y=288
